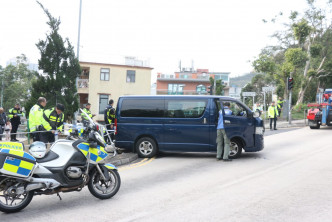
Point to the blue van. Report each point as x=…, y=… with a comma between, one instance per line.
x=149, y=124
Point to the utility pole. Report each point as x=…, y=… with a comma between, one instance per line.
x=78, y=53
x=290, y=99
x=2, y=86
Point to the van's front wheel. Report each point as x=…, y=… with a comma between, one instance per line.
x=146, y=147
x=235, y=149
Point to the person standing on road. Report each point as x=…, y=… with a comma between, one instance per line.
x=223, y=142
x=15, y=119
x=109, y=116
x=36, y=119
x=3, y=121
x=8, y=128
x=280, y=103
x=273, y=113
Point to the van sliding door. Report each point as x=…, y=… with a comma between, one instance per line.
x=186, y=124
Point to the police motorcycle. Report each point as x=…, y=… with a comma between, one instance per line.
x=68, y=166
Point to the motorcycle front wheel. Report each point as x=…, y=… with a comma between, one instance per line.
x=102, y=189
x=10, y=201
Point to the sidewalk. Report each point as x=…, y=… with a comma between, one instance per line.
x=282, y=123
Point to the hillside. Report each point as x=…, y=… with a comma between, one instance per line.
x=241, y=81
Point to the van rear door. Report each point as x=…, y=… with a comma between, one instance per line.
x=186, y=124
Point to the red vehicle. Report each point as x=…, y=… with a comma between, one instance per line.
x=320, y=113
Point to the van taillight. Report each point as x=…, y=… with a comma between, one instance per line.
x=115, y=126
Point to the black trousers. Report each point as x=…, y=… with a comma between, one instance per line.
x=275, y=122
x=106, y=138
x=1, y=131
x=14, y=130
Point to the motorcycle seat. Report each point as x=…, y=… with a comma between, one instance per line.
x=48, y=157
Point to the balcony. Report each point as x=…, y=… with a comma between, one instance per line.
x=83, y=83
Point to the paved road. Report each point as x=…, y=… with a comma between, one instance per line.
x=290, y=180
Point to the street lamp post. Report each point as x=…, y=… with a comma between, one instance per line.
x=78, y=53
x=2, y=87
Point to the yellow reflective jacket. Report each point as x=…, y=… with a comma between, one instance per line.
x=12, y=112
x=280, y=103
x=110, y=115
x=87, y=111
x=54, y=121
x=36, y=118
x=273, y=112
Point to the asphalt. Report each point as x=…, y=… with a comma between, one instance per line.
x=125, y=158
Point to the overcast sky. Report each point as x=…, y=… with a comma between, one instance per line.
x=219, y=35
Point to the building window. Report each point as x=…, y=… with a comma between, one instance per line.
x=103, y=101
x=131, y=75
x=175, y=89
x=105, y=74
x=200, y=89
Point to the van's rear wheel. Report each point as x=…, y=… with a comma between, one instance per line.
x=235, y=149
x=146, y=147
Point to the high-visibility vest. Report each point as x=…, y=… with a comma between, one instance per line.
x=110, y=115
x=273, y=112
x=16, y=112
x=280, y=103
x=54, y=120
x=36, y=117
x=87, y=111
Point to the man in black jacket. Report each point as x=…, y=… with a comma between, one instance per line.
x=3, y=121
x=14, y=115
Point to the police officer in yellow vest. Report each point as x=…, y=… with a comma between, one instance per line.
x=36, y=119
x=85, y=120
x=14, y=114
x=273, y=113
x=54, y=117
x=280, y=103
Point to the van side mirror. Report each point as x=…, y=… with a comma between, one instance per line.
x=257, y=113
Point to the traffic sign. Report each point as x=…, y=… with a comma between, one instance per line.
x=248, y=93
x=267, y=89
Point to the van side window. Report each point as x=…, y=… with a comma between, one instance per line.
x=185, y=108
x=142, y=108
x=234, y=108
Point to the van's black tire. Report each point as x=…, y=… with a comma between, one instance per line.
x=315, y=127
x=146, y=147
x=235, y=149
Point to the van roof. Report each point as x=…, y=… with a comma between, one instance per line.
x=177, y=96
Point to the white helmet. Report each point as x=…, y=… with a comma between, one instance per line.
x=37, y=149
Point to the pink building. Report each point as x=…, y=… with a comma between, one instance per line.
x=189, y=82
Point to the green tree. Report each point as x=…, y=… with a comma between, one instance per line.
x=303, y=51
x=60, y=69
x=17, y=80
x=218, y=86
